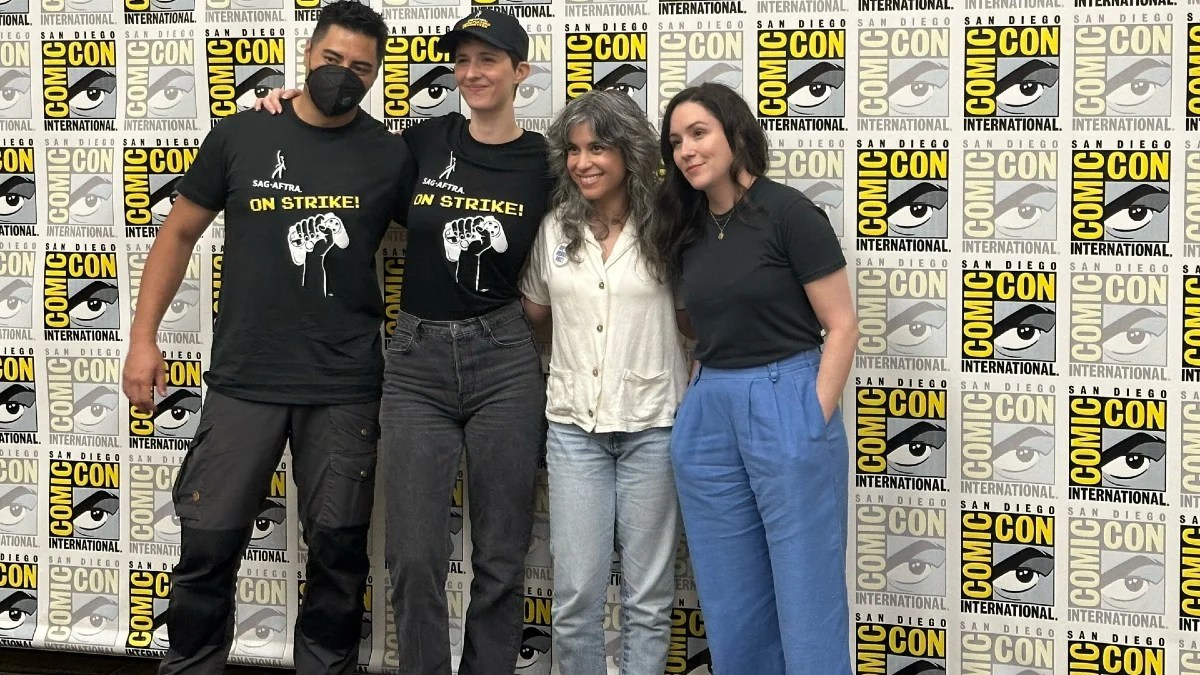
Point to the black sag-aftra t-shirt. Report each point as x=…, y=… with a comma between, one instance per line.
x=305, y=209
x=472, y=216
x=745, y=293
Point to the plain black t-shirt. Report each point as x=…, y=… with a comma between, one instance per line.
x=305, y=209
x=472, y=217
x=745, y=293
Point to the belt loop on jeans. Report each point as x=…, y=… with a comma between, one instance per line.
x=773, y=370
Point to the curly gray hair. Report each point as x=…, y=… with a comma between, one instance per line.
x=618, y=123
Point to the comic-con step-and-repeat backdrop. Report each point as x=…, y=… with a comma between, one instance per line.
x=1017, y=184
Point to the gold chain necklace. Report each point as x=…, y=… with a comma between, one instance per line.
x=728, y=217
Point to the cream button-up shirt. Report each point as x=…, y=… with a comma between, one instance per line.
x=616, y=361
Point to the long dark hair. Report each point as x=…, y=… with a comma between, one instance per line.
x=618, y=123
x=682, y=209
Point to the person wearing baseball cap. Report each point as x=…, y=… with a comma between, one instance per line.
x=493, y=27
x=462, y=368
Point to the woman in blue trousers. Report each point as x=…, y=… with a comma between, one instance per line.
x=758, y=447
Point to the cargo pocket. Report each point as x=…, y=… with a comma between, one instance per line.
x=189, y=487
x=350, y=482
x=643, y=398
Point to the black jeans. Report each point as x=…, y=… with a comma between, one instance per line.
x=476, y=384
x=221, y=496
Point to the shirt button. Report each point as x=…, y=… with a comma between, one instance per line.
x=596, y=372
x=600, y=328
x=196, y=496
x=362, y=473
x=363, y=432
x=601, y=285
x=590, y=414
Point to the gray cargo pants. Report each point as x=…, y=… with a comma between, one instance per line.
x=222, y=498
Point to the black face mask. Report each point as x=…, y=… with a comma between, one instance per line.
x=335, y=90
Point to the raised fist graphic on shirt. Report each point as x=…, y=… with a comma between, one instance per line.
x=474, y=235
x=309, y=241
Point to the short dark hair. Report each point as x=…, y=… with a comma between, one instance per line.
x=356, y=17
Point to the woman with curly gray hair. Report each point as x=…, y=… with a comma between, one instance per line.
x=617, y=374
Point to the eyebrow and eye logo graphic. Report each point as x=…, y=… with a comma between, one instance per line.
x=918, y=209
x=1023, y=453
x=1134, y=335
x=922, y=667
x=534, y=655
x=93, y=304
x=916, y=566
x=1133, y=460
x=1136, y=212
x=916, y=448
x=814, y=88
x=16, y=302
x=90, y=200
x=94, y=513
x=1023, y=574
x=1025, y=210
x=93, y=619
x=18, y=614
x=178, y=414
x=91, y=93
x=916, y=327
x=18, y=407
x=1132, y=582
x=918, y=88
x=18, y=199
x=172, y=93
x=259, y=631
x=1024, y=331
x=533, y=97
x=903, y=72
x=625, y=78
x=268, y=530
x=256, y=83
x=1027, y=88
x=433, y=91
x=94, y=410
x=15, y=100
x=18, y=509
x=1139, y=86
x=168, y=5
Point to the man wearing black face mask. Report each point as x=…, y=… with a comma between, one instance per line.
x=296, y=354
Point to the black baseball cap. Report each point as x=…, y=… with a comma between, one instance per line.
x=499, y=29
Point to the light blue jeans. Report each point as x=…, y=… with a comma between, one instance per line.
x=603, y=484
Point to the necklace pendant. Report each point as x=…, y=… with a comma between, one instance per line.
x=720, y=235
